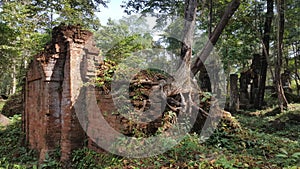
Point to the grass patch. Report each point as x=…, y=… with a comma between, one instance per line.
x=257, y=145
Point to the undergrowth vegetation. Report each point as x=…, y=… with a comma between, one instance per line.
x=13, y=154
x=266, y=140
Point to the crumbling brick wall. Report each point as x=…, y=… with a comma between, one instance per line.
x=57, y=99
x=52, y=84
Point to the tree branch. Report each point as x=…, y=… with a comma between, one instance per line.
x=201, y=58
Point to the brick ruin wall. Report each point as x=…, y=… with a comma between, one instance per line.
x=52, y=84
x=55, y=94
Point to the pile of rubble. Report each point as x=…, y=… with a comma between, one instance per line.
x=148, y=91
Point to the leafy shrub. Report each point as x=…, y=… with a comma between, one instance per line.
x=14, y=105
x=86, y=158
x=12, y=152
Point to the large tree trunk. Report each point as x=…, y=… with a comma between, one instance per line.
x=282, y=102
x=230, y=10
x=265, y=53
x=184, y=87
x=183, y=74
x=188, y=32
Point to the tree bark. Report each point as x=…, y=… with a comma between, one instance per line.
x=255, y=67
x=188, y=31
x=230, y=10
x=282, y=102
x=210, y=17
x=244, y=95
x=183, y=74
x=234, y=94
x=183, y=83
x=297, y=78
x=14, y=78
x=265, y=53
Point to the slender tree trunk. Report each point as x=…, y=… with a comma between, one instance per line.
x=265, y=53
x=230, y=10
x=286, y=58
x=205, y=79
x=297, y=78
x=227, y=73
x=14, y=78
x=271, y=72
x=234, y=93
x=210, y=17
x=282, y=102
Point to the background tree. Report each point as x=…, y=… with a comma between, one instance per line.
x=229, y=11
x=119, y=39
x=249, y=31
x=265, y=54
x=292, y=41
x=23, y=43
x=27, y=27
x=282, y=102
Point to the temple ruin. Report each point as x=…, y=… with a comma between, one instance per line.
x=49, y=119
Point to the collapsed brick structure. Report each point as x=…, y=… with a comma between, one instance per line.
x=56, y=91
x=49, y=119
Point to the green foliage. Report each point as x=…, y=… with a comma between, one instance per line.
x=292, y=26
x=125, y=48
x=242, y=37
x=206, y=96
x=270, y=99
x=25, y=29
x=119, y=39
x=13, y=105
x=50, y=163
x=19, y=41
x=105, y=74
x=288, y=158
x=52, y=160
x=85, y=158
x=252, y=147
x=12, y=153
x=69, y=12
x=169, y=7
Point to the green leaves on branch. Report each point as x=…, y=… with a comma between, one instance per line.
x=120, y=39
x=126, y=47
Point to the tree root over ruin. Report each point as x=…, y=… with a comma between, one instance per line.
x=149, y=88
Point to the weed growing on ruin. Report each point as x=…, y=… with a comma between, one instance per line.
x=105, y=75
